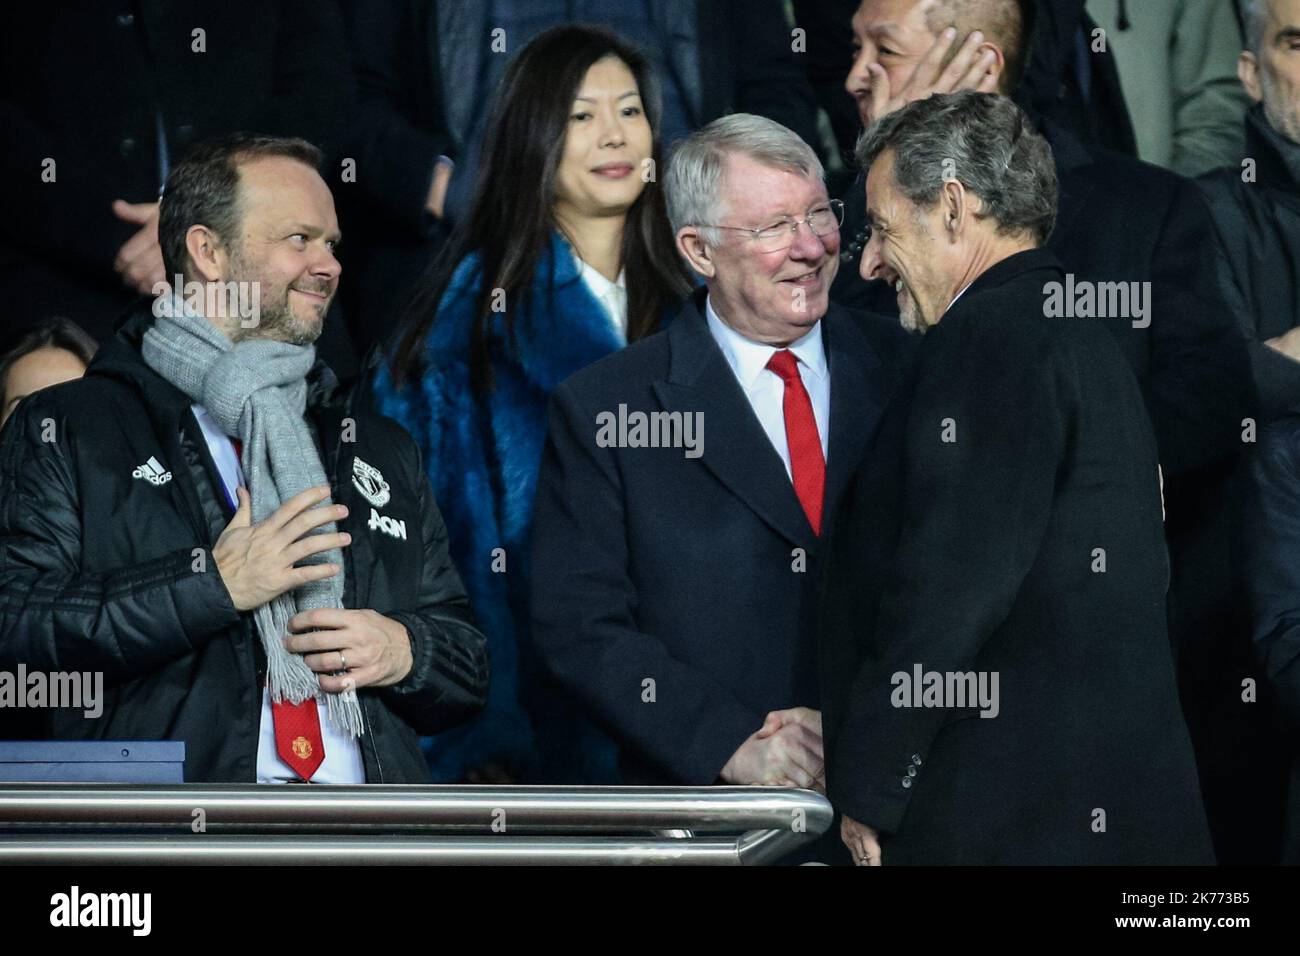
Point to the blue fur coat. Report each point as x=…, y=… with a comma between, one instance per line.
x=482, y=456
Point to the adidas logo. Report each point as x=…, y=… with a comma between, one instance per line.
x=152, y=472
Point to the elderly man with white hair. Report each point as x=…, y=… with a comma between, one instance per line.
x=998, y=682
x=688, y=479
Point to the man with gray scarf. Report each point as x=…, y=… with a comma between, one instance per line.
x=250, y=556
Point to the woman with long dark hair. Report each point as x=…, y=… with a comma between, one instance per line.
x=565, y=256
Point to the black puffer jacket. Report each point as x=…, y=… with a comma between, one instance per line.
x=104, y=571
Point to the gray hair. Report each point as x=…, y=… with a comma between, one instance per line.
x=982, y=140
x=693, y=184
x=1254, y=23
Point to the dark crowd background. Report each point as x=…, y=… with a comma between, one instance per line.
x=397, y=94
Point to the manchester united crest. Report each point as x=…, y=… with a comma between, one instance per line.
x=301, y=748
x=370, y=482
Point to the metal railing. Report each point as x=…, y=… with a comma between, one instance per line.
x=252, y=824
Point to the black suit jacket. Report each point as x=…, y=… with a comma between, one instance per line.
x=978, y=554
x=649, y=566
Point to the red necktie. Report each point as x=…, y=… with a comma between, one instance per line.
x=297, y=735
x=807, y=463
x=297, y=726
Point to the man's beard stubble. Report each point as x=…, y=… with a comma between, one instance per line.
x=1281, y=108
x=276, y=319
x=910, y=315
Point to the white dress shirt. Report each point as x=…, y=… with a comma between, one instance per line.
x=342, y=763
x=612, y=296
x=765, y=389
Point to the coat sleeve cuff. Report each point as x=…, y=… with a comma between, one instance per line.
x=881, y=808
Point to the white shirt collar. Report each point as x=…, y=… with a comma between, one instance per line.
x=958, y=296
x=599, y=283
x=749, y=358
x=611, y=295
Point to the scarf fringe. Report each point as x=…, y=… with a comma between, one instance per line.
x=289, y=678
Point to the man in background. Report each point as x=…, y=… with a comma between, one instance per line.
x=56, y=350
x=100, y=101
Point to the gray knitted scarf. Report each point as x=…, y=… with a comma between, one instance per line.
x=256, y=391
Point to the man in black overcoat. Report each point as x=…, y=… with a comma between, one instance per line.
x=998, y=686
x=1119, y=221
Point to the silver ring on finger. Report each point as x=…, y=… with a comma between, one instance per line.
x=343, y=662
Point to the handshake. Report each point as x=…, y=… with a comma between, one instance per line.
x=786, y=751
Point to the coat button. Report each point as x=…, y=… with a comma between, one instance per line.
x=907, y=783
x=125, y=19
x=911, y=771
x=126, y=147
x=916, y=759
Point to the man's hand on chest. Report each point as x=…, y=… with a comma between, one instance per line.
x=351, y=648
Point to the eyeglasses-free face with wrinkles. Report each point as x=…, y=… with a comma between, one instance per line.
x=780, y=235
